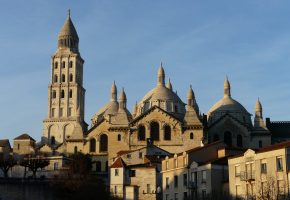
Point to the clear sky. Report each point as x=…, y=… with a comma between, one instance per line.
x=199, y=43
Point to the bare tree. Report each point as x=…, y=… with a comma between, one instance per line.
x=6, y=163
x=34, y=163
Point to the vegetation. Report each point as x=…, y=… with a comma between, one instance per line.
x=34, y=163
x=6, y=163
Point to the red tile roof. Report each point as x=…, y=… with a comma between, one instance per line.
x=118, y=163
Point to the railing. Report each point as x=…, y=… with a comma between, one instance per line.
x=192, y=185
x=247, y=176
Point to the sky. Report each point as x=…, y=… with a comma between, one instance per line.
x=199, y=42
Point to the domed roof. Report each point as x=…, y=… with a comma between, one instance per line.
x=228, y=105
x=161, y=93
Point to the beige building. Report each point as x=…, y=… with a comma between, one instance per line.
x=136, y=174
x=5, y=148
x=262, y=173
x=197, y=173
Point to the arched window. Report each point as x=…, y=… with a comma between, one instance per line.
x=98, y=166
x=63, y=64
x=154, y=131
x=239, y=141
x=167, y=132
x=228, y=138
x=62, y=93
x=103, y=143
x=75, y=149
x=63, y=78
x=52, y=140
x=260, y=144
x=70, y=78
x=191, y=136
x=55, y=65
x=216, y=138
x=70, y=93
x=55, y=79
x=119, y=137
x=141, y=133
x=53, y=94
x=70, y=64
x=92, y=145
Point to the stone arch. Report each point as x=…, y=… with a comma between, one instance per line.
x=154, y=130
x=52, y=134
x=141, y=133
x=103, y=143
x=167, y=132
x=67, y=131
x=191, y=136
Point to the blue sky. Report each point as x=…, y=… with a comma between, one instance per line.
x=199, y=43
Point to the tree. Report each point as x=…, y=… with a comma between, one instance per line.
x=6, y=163
x=34, y=163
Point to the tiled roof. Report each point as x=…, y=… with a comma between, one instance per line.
x=24, y=136
x=120, y=153
x=274, y=147
x=118, y=163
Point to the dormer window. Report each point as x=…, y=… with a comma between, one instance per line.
x=55, y=65
x=63, y=64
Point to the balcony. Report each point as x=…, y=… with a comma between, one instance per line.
x=247, y=176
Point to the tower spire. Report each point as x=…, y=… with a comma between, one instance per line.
x=123, y=99
x=258, y=120
x=114, y=92
x=227, y=88
x=161, y=76
x=169, y=85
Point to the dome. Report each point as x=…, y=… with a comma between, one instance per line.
x=228, y=105
x=162, y=97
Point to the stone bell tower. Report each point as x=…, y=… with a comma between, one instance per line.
x=66, y=95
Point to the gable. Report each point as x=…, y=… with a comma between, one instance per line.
x=228, y=121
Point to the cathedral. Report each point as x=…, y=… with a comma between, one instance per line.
x=160, y=118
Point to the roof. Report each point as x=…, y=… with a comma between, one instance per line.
x=274, y=147
x=24, y=136
x=120, y=153
x=217, y=161
x=153, y=159
x=205, y=146
x=68, y=29
x=280, y=129
x=4, y=143
x=118, y=163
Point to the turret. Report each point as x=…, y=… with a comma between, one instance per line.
x=227, y=88
x=114, y=92
x=258, y=121
x=122, y=100
x=161, y=76
x=169, y=85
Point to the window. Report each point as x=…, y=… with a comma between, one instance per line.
x=191, y=136
x=62, y=94
x=167, y=197
x=140, y=155
x=167, y=183
x=148, y=188
x=237, y=170
x=93, y=145
x=175, y=181
x=55, y=78
x=63, y=78
x=184, y=195
x=119, y=137
x=116, y=189
x=175, y=163
x=279, y=164
x=175, y=196
x=63, y=64
x=52, y=140
x=264, y=168
x=175, y=108
x=52, y=112
x=141, y=133
x=70, y=78
x=184, y=161
x=260, y=144
x=166, y=164
x=18, y=146
x=154, y=131
x=98, y=166
x=116, y=172
x=228, y=138
x=53, y=94
x=103, y=143
x=55, y=166
x=203, y=180
x=132, y=173
x=239, y=141
x=55, y=65
x=203, y=194
x=167, y=132
x=70, y=93
x=184, y=179
x=70, y=64
x=75, y=149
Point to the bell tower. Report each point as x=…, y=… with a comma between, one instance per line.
x=66, y=95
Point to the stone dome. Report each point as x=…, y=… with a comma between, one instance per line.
x=162, y=97
x=228, y=105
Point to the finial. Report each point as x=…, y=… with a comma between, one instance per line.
x=161, y=76
x=69, y=12
x=227, y=88
x=169, y=85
